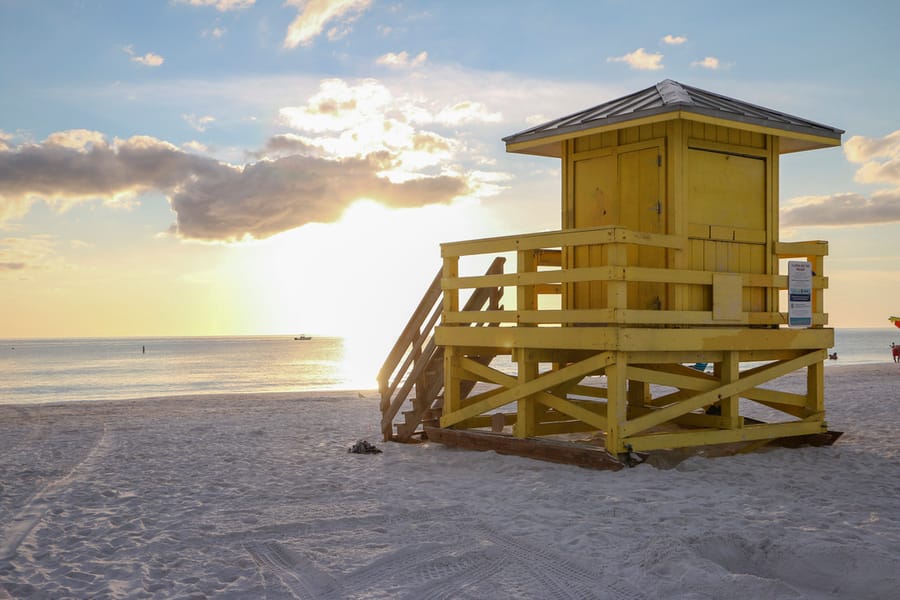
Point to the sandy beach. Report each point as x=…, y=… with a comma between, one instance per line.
x=256, y=496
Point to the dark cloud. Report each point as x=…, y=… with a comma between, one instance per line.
x=11, y=266
x=880, y=160
x=212, y=200
x=844, y=209
x=268, y=197
x=285, y=143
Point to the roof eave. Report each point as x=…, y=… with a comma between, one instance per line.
x=547, y=143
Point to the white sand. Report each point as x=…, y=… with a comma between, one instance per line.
x=255, y=496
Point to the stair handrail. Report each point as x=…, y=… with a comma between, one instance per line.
x=432, y=297
x=416, y=344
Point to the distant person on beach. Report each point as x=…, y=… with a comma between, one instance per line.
x=895, y=352
x=832, y=356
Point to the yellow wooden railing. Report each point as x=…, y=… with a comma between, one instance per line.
x=540, y=269
x=416, y=363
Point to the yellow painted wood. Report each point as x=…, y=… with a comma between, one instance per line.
x=452, y=395
x=704, y=437
x=801, y=249
x=735, y=146
x=450, y=271
x=634, y=339
x=684, y=378
x=668, y=254
x=727, y=297
x=775, y=397
x=519, y=390
x=747, y=381
x=526, y=299
x=574, y=410
x=616, y=403
x=728, y=372
x=676, y=197
x=527, y=408
x=815, y=385
x=594, y=205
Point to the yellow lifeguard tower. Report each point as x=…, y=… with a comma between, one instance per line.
x=668, y=259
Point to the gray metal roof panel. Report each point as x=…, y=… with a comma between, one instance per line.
x=671, y=96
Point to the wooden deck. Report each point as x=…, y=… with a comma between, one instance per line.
x=649, y=398
x=591, y=455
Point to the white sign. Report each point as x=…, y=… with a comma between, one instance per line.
x=799, y=293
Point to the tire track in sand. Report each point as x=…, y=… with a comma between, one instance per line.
x=473, y=560
x=24, y=521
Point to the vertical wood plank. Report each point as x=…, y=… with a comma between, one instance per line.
x=616, y=403
x=526, y=408
x=815, y=385
x=729, y=373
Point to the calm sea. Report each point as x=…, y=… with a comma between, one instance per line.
x=53, y=370
x=48, y=370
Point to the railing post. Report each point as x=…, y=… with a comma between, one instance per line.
x=451, y=297
x=452, y=393
x=818, y=296
x=617, y=291
x=526, y=408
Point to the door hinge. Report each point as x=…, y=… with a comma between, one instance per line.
x=659, y=160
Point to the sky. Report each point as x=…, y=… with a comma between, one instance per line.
x=248, y=167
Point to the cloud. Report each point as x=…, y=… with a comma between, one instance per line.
x=195, y=146
x=467, y=112
x=21, y=254
x=710, y=62
x=880, y=163
x=316, y=14
x=356, y=119
x=674, y=40
x=402, y=60
x=213, y=201
x=880, y=158
x=843, y=209
x=198, y=123
x=268, y=197
x=214, y=33
x=640, y=60
x=148, y=60
x=221, y=5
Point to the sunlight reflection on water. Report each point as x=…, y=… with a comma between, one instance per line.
x=96, y=369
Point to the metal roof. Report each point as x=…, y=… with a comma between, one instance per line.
x=670, y=96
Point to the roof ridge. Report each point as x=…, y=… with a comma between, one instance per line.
x=673, y=92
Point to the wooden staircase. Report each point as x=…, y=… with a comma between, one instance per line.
x=416, y=363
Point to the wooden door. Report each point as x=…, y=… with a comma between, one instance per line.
x=622, y=187
x=643, y=208
x=595, y=205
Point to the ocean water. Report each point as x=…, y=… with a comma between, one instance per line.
x=54, y=370
x=48, y=370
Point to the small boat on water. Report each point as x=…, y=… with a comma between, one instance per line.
x=303, y=337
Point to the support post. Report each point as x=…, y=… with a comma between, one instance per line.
x=616, y=403
x=729, y=372
x=452, y=383
x=526, y=408
x=526, y=299
x=815, y=386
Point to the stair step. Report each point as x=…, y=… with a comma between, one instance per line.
x=431, y=413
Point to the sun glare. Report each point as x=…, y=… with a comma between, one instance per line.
x=359, y=278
